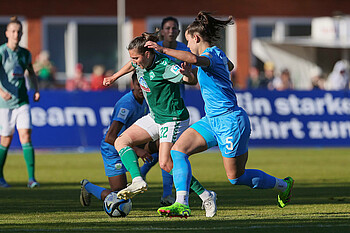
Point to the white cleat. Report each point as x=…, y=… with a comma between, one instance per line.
x=133, y=189
x=85, y=196
x=210, y=205
x=167, y=201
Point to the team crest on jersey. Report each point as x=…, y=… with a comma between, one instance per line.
x=175, y=69
x=144, y=85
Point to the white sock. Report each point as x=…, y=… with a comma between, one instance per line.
x=137, y=179
x=182, y=197
x=281, y=185
x=205, y=195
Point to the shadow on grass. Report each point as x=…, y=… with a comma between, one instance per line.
x=64, y=197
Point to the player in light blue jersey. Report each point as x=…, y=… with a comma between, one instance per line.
x=126, y=111
x=225, y=124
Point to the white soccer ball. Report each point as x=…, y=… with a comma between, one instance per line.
x=116, y=207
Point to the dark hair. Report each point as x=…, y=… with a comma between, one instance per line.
x=134, y=77
x=140, y=41
x=167, y=19
x=14, y=19
x=207, y=26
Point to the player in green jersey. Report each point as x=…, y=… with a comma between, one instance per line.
x=160, y=79
x=14, y=102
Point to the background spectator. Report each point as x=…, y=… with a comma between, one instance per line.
x=253, y=78
x=267, y=77
x=97, y=76
x=78, y=82
x=45, y=70
x=339, y=77
x=283, y=82
x=316, y=77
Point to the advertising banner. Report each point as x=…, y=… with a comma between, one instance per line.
x=290, y=118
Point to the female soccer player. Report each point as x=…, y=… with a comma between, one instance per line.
x=159, y=78
x=14, y=103
x=225, y=123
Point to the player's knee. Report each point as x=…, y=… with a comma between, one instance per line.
x=164, y=166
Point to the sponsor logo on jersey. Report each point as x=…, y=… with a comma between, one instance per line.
x=123, y=113
x=175, y=69
x=144, y=85
x=152, y=75
x=18, y=71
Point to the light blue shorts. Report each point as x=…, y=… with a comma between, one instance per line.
x=111, y=160
x=230, y=132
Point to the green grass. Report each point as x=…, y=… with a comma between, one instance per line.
x=321, y=196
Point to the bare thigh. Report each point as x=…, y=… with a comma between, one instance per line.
x=190, y=142
x=133, y=136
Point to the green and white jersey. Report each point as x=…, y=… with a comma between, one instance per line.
x=160, y=84
x=12, y=67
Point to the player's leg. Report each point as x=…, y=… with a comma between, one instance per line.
x=24, y=127
x=234, y=147
x=7, y=126
x=141, y=132
x=114, y=170
x=189, y=143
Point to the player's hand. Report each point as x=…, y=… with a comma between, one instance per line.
x=5, y=95
x=108, y=81
x=154, y=45
x=143, y=154
x=36, y=96
x=186, y=69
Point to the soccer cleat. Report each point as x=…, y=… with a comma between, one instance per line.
x=4, y=184
x=283, y=198
x=85, y=196
x=210, y=205
x=132, y=190
x=167, y=201
x=175, y=210
x=33, y=184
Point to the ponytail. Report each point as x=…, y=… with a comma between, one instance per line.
x=207, y=26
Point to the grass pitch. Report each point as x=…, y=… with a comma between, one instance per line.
x=320, y=203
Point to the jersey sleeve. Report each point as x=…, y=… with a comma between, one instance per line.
x=172, y=73
x=122, y=112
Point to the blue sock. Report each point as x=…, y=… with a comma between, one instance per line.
x=167, y=183
x=182, y=173
x=94, y=190
x=148, y=165
x=255, y=179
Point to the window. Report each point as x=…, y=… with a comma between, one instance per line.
x=86, y=40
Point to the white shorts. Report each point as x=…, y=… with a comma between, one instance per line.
x=19, y=117
x=167, y=132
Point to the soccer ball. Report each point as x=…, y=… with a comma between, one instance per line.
x=116, y=207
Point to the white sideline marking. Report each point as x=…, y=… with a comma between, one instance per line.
x=177, y=229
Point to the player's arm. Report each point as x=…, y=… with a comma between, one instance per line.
x=127, y=68
x=181, y=55
x=113, y=132
x=34, y=80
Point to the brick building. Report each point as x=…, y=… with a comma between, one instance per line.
x=86, y=30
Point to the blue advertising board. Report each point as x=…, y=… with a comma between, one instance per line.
x=290, y=118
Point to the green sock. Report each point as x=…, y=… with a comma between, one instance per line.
x=196, y=186
x=130, y=161
x=28, y=152
x=3, y=155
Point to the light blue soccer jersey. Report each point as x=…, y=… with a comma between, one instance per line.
x=127, y=110
x=216, y=86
